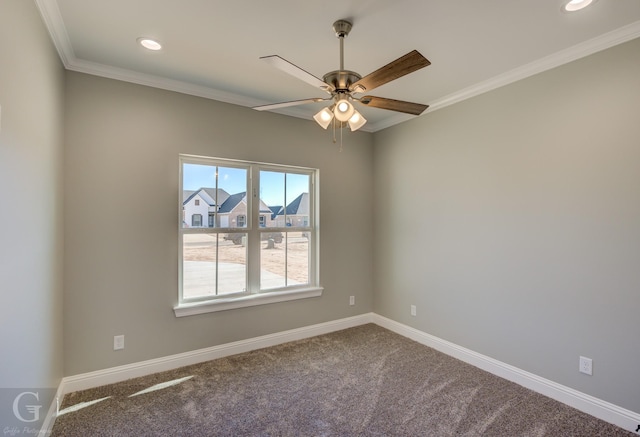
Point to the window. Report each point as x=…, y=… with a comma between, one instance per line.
x=257, y=248
x=196, y=220
x=197, y=202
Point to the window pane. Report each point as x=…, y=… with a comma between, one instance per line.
x=213, y=265
x=272, y=198
x=284, y=262
x=272, y=261
x=297, y=212
x=232, y=264
x=297, y=258
x=286, y=197
x=215, y=193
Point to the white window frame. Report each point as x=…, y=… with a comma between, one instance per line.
x=253, y=295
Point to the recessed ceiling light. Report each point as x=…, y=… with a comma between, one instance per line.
x=149, y=44
x=576, y=5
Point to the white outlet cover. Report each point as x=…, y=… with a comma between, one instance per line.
x=586, y=365
x=118, y=342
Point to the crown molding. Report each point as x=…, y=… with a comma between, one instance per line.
x=594, y=45
x=55, y=25
x=392, y=120
x=153, y=81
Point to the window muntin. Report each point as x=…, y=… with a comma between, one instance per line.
x=249, y=244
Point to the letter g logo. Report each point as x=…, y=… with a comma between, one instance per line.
x=34, y=410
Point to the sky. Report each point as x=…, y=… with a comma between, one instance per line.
x=234, y=180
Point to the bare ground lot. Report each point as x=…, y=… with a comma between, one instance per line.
x=294, y=248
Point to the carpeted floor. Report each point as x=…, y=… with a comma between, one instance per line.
x=363, y=381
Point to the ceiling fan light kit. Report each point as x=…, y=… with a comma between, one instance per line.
x=342, y=85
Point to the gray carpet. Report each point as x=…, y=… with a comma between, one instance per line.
x=363, y=381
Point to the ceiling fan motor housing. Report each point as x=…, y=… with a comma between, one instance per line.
x=341, y=79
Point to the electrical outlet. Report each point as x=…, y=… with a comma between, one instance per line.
x=352, y=300
x=413, y=310
x=586, y=365
x=118, y=342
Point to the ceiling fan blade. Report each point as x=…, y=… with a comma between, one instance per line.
x=406, y=64
x=285, y=104
x=297, y=72
x=394, y=105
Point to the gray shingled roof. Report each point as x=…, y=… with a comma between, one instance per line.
x=299, y=206
x=207, y=194
x=275, y=210
x=231, y=202
x=186, y=195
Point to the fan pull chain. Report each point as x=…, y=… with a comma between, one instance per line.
x=335, y=139
x=333, y=126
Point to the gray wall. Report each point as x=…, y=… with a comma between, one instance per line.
x=512, y=222
x=31, y=245
x=121, y=230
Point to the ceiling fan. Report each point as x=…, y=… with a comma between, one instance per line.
x=343, y=85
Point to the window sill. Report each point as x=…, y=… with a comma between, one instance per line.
x=190, y=309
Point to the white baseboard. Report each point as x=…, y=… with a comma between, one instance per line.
x=49, y=419
x=603, y=410
x=121, y=373
x=606, y=411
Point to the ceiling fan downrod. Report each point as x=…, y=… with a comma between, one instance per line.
x=342, y=29
x=341, y=79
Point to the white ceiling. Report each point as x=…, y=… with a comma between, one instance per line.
x=211, y=47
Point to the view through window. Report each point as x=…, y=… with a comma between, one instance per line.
x=259, y=234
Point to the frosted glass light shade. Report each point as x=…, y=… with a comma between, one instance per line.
x=324, y=117
x=356, y=121
x=343, y=110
